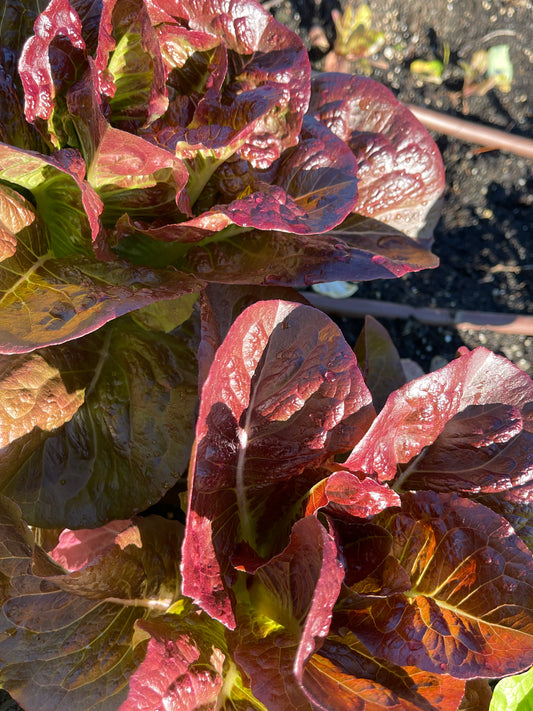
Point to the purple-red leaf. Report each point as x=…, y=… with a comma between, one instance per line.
x=283, y=395
x=455, y=595
x=342, y=493
x=400, y=168
x=416, y=414
x=181, y=670
x=264, y=52
x=357, y=250
x=34, y=65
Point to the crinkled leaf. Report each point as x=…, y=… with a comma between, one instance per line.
x=357, y=250
x=67, y=204
x=284, y=394
x=482, y=391
x=315, y=187
x=59, y=19
x=46, y=301
x=181, y=670
x=221, y=304
x=294, y=594
x=68, y=640
x=514, y=693
x=344, y=676
x=33, y=395
x=263, y=52
x=124, y=447
x=455, y=596
x=380, y=361
x=344, y=494
x=15, y=214
x=401, y=175
x=314, y=190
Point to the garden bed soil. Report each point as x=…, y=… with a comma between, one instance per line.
x=485, y=237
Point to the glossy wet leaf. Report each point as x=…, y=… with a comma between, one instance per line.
x=123, y=448
x=400, y=170
x=359, y=249
x=284, y=394
x=46, y=301
x=342, y=493
x=34, y=65
x=480, y=391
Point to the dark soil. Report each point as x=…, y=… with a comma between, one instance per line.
x=485, y=237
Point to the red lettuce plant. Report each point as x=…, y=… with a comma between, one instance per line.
x=332, y=557
x=149, y=148
x=168, y=171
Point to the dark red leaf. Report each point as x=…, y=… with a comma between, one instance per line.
x=69, y=640
x=400, y=168
x=357, y=250
x=380, y=362
x=416, y=414
x=283, y=394
x=264, y=52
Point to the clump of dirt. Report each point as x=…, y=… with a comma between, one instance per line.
x=485, y=235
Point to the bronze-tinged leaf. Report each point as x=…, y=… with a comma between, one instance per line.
x=468, y=608
x=344, y=676
x=15, y=214
x=33, y=394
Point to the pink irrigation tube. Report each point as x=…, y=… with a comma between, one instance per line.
x=473, y=132
x=460, y=319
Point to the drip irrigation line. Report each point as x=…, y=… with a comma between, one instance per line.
x=451, y=318
x=473, y=132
